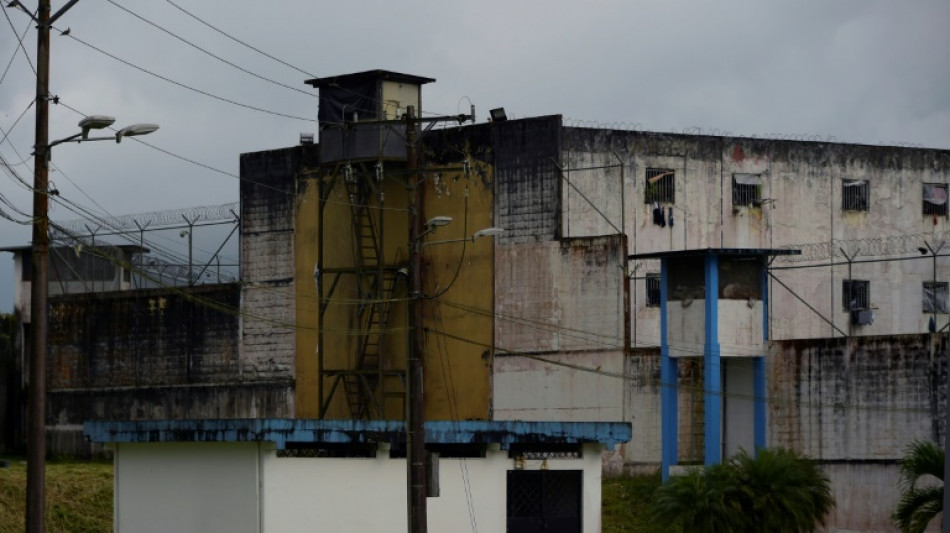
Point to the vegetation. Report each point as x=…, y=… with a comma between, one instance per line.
x=778, y=491
x=921, y=495
x=78, y=496
x=626, y=504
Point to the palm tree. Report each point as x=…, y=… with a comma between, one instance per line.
x=777, y=491
x=781, y=490
x=701, y=501
x=921, y=500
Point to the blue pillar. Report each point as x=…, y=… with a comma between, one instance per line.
x=669, y=415
x=712, y=372
x=758, y=368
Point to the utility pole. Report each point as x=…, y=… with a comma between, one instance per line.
x=415, y=434
x=36, y=432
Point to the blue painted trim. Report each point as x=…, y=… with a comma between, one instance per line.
x=712, y=370
x=281, y=431
x=758, y=369
x=669, y=415
x=758, y=375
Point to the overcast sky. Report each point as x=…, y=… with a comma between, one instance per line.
x=865, y=71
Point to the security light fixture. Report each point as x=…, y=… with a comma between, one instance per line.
x=498, y=114
x=437, y=222
x=135, y=129
x=95, y=122
x=487, y=232
x=306, y=138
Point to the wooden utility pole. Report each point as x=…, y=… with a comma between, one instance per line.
x=36, y=432
x=415, y=434
x=36, y=415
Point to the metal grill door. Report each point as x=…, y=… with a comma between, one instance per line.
x=544, y=500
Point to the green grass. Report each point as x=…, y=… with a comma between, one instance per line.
x=78, y=496
x=625, y=504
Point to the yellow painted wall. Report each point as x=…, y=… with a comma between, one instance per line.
x=457, y=379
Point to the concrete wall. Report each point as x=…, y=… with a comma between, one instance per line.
x=147, y=354
x=804, y=183
x=854, y=406
x=268, y=188
x=213, y=487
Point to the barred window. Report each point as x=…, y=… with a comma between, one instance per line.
x=660, y=186
x=935, y=199
x=653, y=290
x=855, y=195
x=746, y=189
x=856, y=294
x=935, y=292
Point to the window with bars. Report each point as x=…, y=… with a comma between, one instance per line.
x=935, y=297
x=935, y=199
x=653, y=290
x=746, y=189
x=855, y=195
x=660, y=186
x=855, y=294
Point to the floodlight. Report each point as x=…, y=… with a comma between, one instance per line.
x=440, y=221
x=135, y=129
x=95, y=122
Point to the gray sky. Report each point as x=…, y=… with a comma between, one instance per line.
x=865, y=71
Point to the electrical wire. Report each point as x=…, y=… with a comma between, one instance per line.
x=15, y=122
x=185, y=86
x=20, y=42
x=200, y=49
x=235, y=39
x=16, y=49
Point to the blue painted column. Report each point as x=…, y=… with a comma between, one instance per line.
x=668, y=384
x=712, y=381
x=758, y=368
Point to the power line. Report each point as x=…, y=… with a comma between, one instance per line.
x=16, y=49
x=188, y=87
x=235, y=39
x=221, y=59
x=19, y=43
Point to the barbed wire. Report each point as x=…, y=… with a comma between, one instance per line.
x=717, y=132
x=872, y=247
x=156, y=219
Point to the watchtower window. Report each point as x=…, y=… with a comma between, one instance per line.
x=855, y=195
x=746, y=189
x=653, y=290
x=935, y=199
x=855, y=294
x=935, y=297
x=660, y=186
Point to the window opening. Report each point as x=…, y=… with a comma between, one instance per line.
x=746, y=189
x=935, y=199
x=660, y=186
x=935, y=292
x=855, y=195
x=855, y=294
x=653, y=290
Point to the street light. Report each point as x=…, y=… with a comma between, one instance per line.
x=486, y=232
x=98, y=122
x=39, y=290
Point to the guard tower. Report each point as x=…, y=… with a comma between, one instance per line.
x=360, y=233
x=728, y=328
x=370, y=96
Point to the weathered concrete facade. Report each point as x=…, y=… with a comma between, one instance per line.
x=151, y=354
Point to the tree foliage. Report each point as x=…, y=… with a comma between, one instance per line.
x=921, y=487
x=776, y=491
